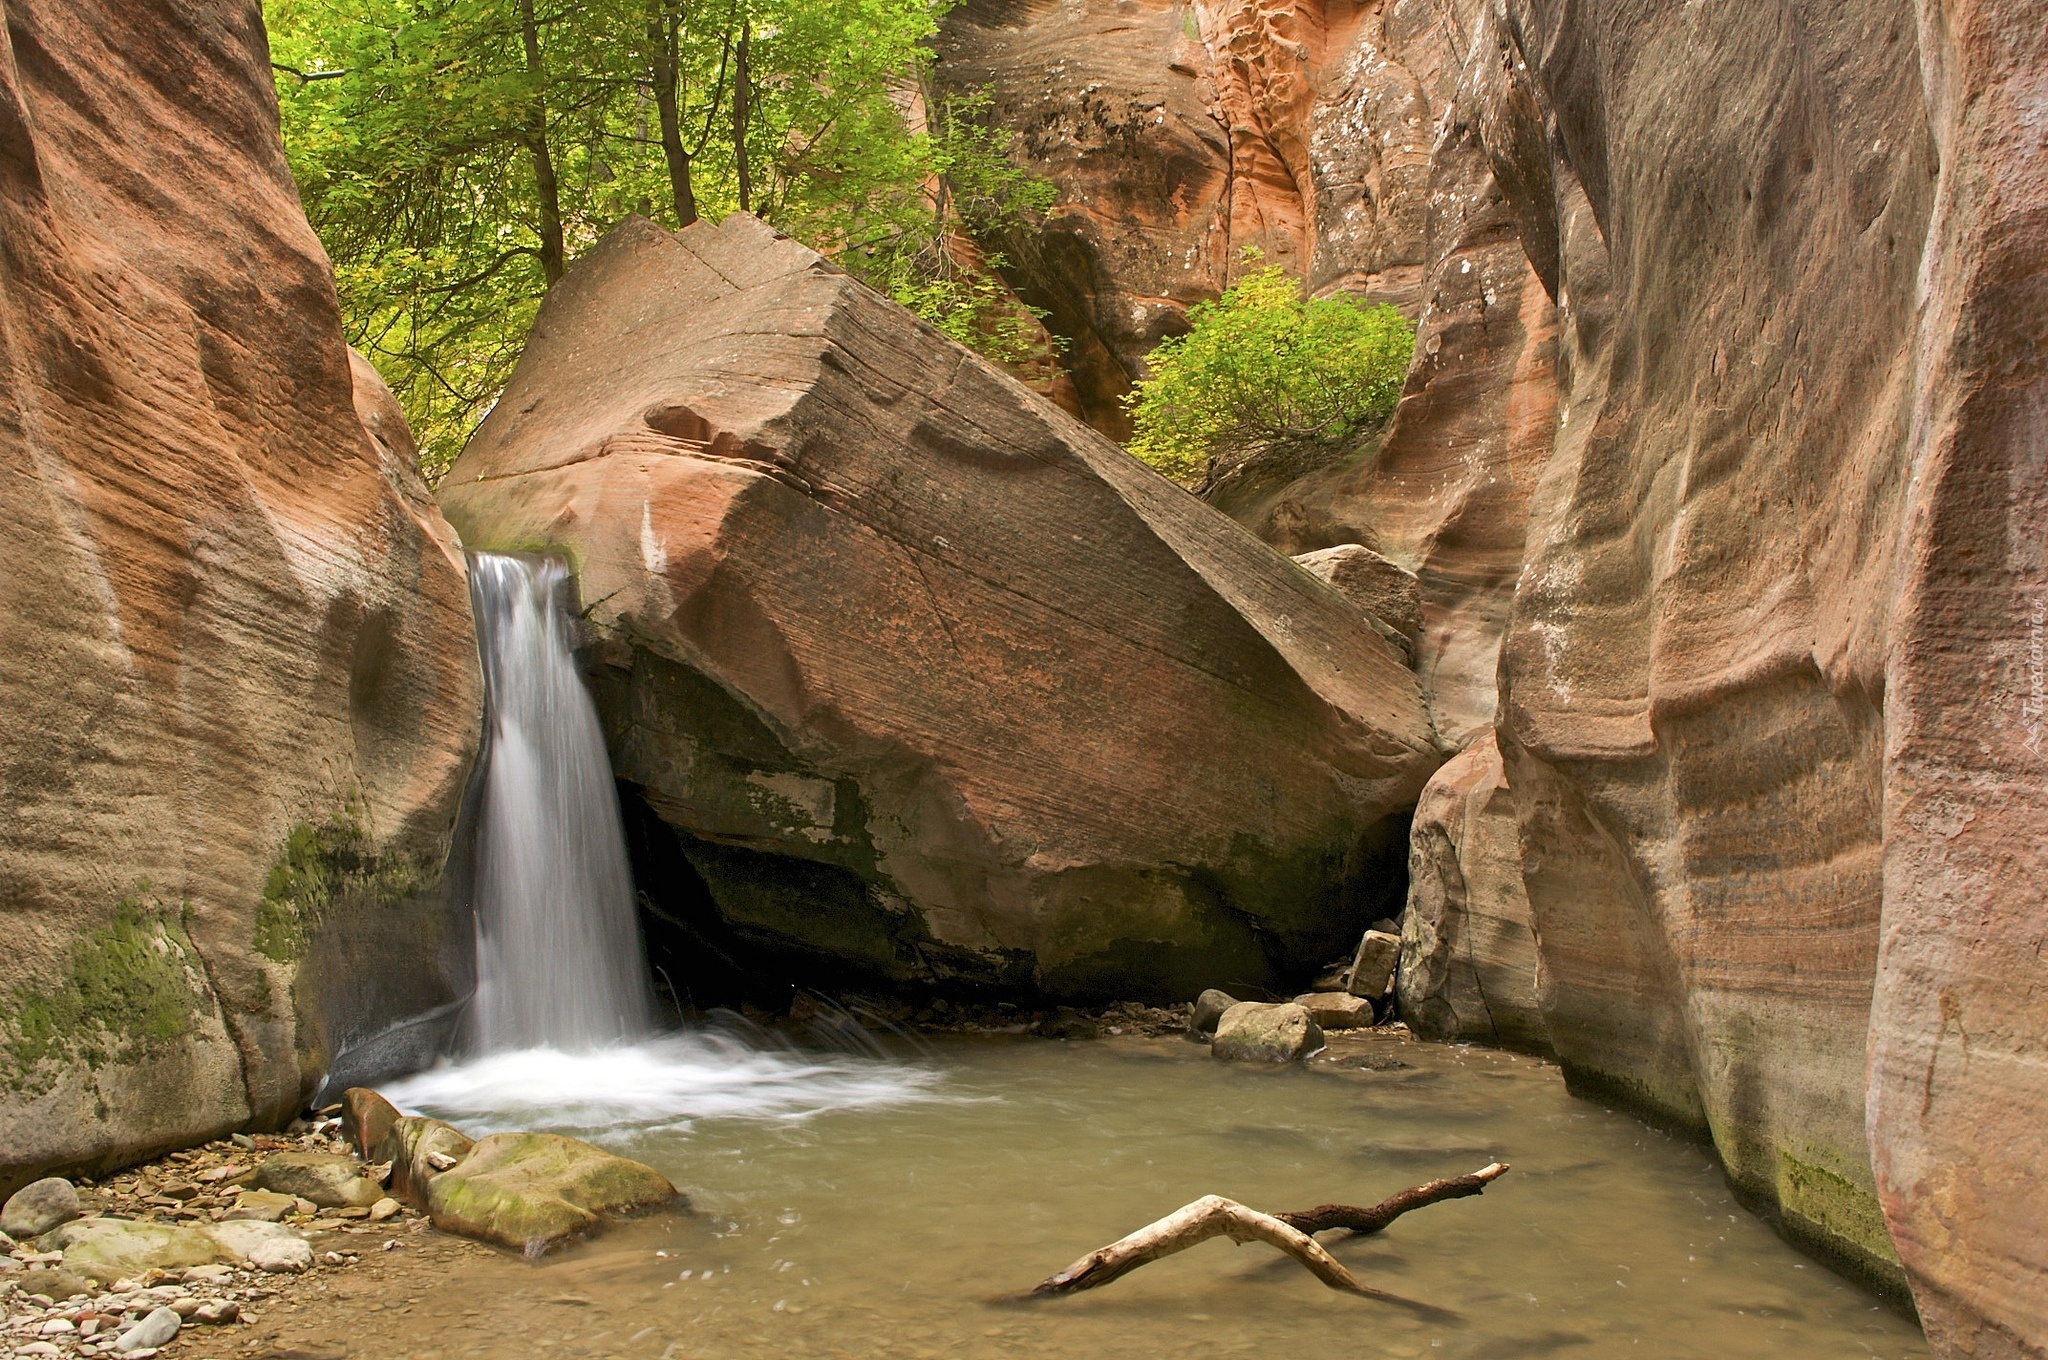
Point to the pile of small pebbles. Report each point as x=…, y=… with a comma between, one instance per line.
x=139, y=1318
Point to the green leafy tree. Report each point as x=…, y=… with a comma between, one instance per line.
x=455, y=155
x=1263, y=374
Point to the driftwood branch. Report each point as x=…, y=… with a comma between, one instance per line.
x=1214, y=1216
x=1210, y=1216
x=1324, y=1217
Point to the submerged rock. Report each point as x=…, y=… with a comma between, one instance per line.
x=911, y=674
x=528, y=1190
x=36, y=1208
x=1068, y=1023
x=1256, y=1031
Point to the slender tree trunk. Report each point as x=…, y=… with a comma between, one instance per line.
x=554, y=260
x=663, y=39
x=742, y=100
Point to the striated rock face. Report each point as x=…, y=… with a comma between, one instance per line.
x=916, y=674
x=1765, y=692
x=1469, y=965
x=235, y=648
x=1958, y=1074
x=1179, y=134
x=1729, y=394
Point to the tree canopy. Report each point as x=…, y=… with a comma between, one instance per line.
x=1263, y=372
x=455, y=155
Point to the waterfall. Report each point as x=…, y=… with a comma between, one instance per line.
x=559, y=960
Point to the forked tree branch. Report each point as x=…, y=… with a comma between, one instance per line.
x=1214, y=1216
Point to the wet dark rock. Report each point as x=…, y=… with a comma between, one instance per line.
x=1067, y=1023
x=1209, y=1008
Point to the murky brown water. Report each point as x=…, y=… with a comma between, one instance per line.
x=906, y=1230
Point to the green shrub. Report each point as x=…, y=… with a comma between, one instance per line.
x=1262, y=371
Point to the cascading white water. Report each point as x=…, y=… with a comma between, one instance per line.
x=559, y=960
x=563, y=1031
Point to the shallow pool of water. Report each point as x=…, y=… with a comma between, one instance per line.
x=905, y=1222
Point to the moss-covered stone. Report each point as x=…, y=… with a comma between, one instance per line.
x=322, y=867
x=1829, y=1205
x=528, y=1190
x=131, y=986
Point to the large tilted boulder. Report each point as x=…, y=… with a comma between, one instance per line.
x=1469, y=967
x=921, y=676
x=237, y=673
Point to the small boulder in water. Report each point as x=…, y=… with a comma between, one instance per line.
x=1068, y=1023
x=1209, y=1008
x=38, y=1207
x=1253, y=1031
x=530, y=1190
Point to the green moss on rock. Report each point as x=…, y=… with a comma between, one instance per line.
x=318, y=868
x=1834, y=1207
x=131, y=986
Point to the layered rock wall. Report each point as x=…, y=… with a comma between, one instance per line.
x=1756, y=777
x=235, y=651
x=1180, y=134
x=1729, y=393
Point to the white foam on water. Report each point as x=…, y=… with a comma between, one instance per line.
x=662, y=1083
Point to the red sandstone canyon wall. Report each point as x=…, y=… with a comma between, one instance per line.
x=236, y=662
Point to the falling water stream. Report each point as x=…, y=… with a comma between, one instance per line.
x=562, y=1031
x=559, y=960
x=857, y=1206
